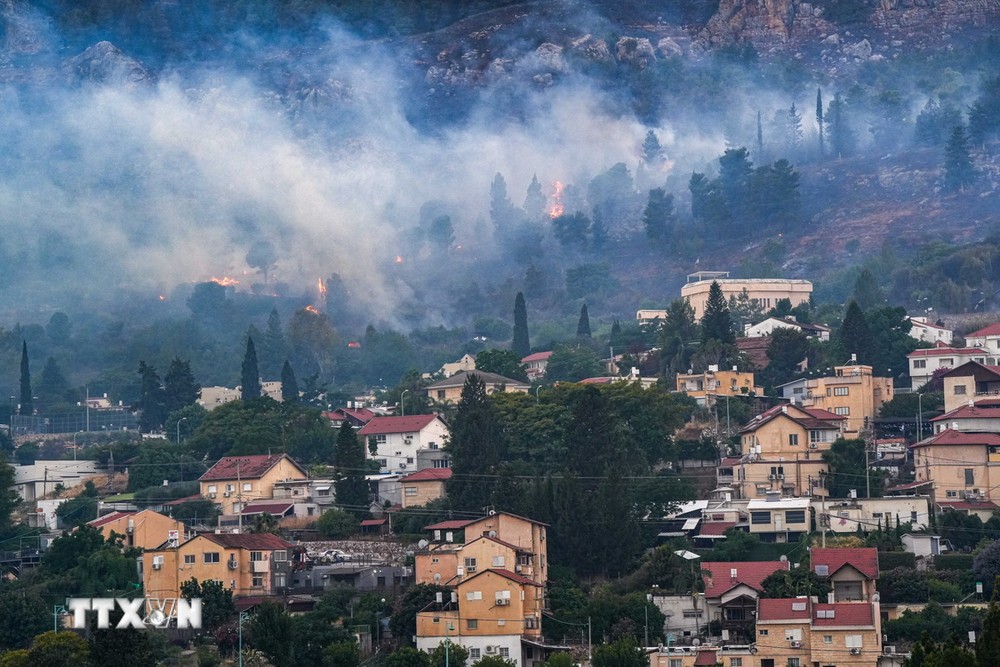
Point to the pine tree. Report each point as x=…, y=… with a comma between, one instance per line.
x=841, y=134
x=27, y=403
x=583, y=325
x=760, y=138
x=289, y=385
x=152, y=401
x=854, y=336
x=717, y=323
x=958, y=169
x=53, y=387
x=501, y=208
x=249, y=375
x=793, y=136
x=477, y=447
x=520, y=344
x=658, y=215
x=179, y=387
x=819, y=120
x=534, y=201
x=867, y=293
x=652, y=151
x=273, y=344
x=353, y=492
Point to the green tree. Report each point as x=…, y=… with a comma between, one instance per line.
x=156, y=463
x=583, y=325
x=32, y=616
x=988, y=641
x=520, y=345
x=9, y=499
x=786, y=351
x=677, y=338
x=27, y=406
x=793, y=129
x=336, y=524
x=867, y=292
x=179, y=387
x=854, y=336
x=716, y=323
x=128, y=647
x=53, y=388
x=477, y=446
x=289, y=385
x=18, y=658
x=592, y=438
x=59, y=649
x=449, y=654
x=652, y=151
x=658, y=216
x=502, y=362
x=342, y=654
x=152, y=401
x=572, y=363
x=493, y=661
x=273, y=348
x=534, y=201
x=793, y=583
x=984, y=115
x=503, y=214
x=271, y=628
x=353, y=492
x=216, y=601
x=841, y=133
x=199, y=512
x=403, y=622
x=249, y=375
x=959, y=171
x=819, y=120
x=621, y=653
x=571, y=229
x=408, y=657
x=849, y=469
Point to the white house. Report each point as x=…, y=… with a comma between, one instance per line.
x=923, y=363
x=777, y=519
x=924, y=330
x=395, y=441
x=848, y=514
x=40, y=478
x=535, y=364
x=982, y=416
x=767, y=327
x=987, y=338
x=922, y=544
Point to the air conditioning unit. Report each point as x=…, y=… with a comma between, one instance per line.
x=491, y=649
x=212, y=496
x=131, y=526
x=889, y=650
x=226, y=494
x=855, y=651
x=157, y=566
x=813, y=445
x=233, y=564
x=773, y=477
x=518, y=568
x=402, y=466
x=503, y=602
x=794, y=643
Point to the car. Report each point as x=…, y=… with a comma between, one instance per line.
x=334, y=556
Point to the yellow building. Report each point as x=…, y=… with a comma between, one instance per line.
x=143, y=530
x=767, y=292
x=248, y=564
x=705, y=387
x=236, y=480
x=852, y=392
x=424, y=486
x=961, y=467
x=449, y=390
x=798, y=632
x=969, y=382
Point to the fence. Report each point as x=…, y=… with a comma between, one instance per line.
x=97, y=421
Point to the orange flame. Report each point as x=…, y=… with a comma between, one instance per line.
x=225, y=281
x=163, y=298
x=399, y=259
x=312, y=309
x=556, y=207
x=322, y=288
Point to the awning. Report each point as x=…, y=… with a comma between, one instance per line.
x=322, y=488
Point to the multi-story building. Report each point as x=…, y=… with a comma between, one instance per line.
x=971, y=381
x=959, y=466
x=982, y=416
x=143, y=530
x=849, y=515
x=851, y=573
x=987, y=338
x=797, y=632
x=356, y=416
x=247, y=564
x=922, y=329
x=449, y=390
x=771, y=324
x=852, y=392
x=776, y=519
x=705, y=388
x=535, y=364
x=731, y=592
x=924, y=363
x=767, y=292
x=397, y=440
x=40, y=478
x=236, y=480
x=213, y=397
x=424, y=486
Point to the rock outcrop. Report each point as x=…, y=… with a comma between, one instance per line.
x=105, y=63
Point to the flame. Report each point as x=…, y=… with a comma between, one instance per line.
x=322, y=288
x=163, y=298
x=312, y=309
x=556, y=208
x=225, y=281
x=399, y=259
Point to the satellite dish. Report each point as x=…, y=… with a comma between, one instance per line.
x=695, y=642
x=437, y=577
x=423, y=544
x=784, y=558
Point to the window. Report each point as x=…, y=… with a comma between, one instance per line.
x=382, y=463
x=189, y=559
x=947, y=361
x=474, y=595
x=435, y=560
x=470, y=565
x=843, y=412
x=474, y=653
x=498, y=561
x=823, y=571
x=793, y=662
x=794, y=635
x=441, y=394
x=280, y=556
x=256, y=555
x=817, y=436
x=258, y=581
x=675, y=662
x=442, y=463
x=212, y=488
x=212, y=557
x=920, y=363
x=692, y=613
x=247, y=486
x=960, y=390
x=970, y=477
x=827, y=639
x=380, y=438
x=409, y=459
x=410, y=490
x=762, y=633
x=840, y=391
x=501, y=622
x=504, y=652
x=280, y=580
x=793, y=439
x=797, y=390
x=852, y=641
x=736, y=662
x=472, y=624
x=760, y=517
x=795, y=516
x=230, y=487
x=913, y=516
x=951, y=494
x=825, y=613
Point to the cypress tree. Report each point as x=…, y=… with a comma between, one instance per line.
x=353, y=492
x=179, y=387
x=958, y=169
x=583, y=326
x=477, y=447
x=819, y=120
x=520, y=344
x=855, y=337
x=152, y=399
x=760, y=138
x=249, y=375
x=27, y=404
x=716, y=323
x=289, y=385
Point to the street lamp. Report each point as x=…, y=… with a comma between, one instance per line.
x=243, y=616
x=920, y=416
x=402, y=405
x=536, y=393
x=74, y=443
x=182, y=419
x=56, y=610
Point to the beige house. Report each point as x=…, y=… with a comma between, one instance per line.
x=776, y=519
x=424, y=486
x=970, y=382
x=143, y=530
x=801, y=632
x=236, y=480
x=767, y=292
x=706, y=387
x=852, y=392
x=960, y=466
x=983, y=416
x=851, y=573
x=449, y=390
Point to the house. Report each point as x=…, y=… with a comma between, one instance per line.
x=731, y=592
x=212, y=397
x=648, y=316
x=705, y=388
x=768, y=326
x=321, y=492
x=535, y=365
x=777, y=519
x=851, y=573
x=853, y=392
x=848, y=515
x=449, y=390
x=922, y=329
x=755, y=351
x=970, y=381
x=424, y=486
x=800, y=631
x=959, y=466
x=39, y=479
x=355, y=416
x=393, y=442
x=466, y=363
x=767, y=292
x=246, y=564
x=143, y=530
x=924, y=363
x=982, y=416
x=923, y=544
x=987, y=338
x=236, y=480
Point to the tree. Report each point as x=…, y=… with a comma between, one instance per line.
x=841, y=134
x=502, y=211
x=988, y=641
x=59, y=329
x=502, y=362
x=127, y=647
x=262, y=255
x=572, y=363
x=336, y=524
x=854, y=336
x=441, y=232
x=249, y=376
x=867, y=293
x=716, y=323
x=520, y=345
x=271, y=626
x=849, y=471
x=152, y=401
x=449, y=654
x=621, y=653
x=59, y=649
x=408, y=656
x=494, y=661
x=583, y=325
x=216, y=601
x=652, y=151
x=273, y=348
x=793, y=583
x=786, y=351
x=534, y=201
x=199, y=512
x=342, y=654
x=353, y=492
x=959, y=171
x=53, y=387
x=571, y=229
x=984, y=115
x=819, y=120
x=9, y=499
x=179, y=387
x=477, y=447
x=289, y=385
x=986, y=566
x=27, y=404
x=404, y=619
x=793, y=129
x=658, y=216
x=31, y=613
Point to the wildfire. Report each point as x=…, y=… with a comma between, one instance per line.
x=163, y=298
x=312, y=309
x=399, y=259
x=225, y=281
x=322, y=288
x=556, y=207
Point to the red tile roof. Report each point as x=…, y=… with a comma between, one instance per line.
x=108, y=518
x=598, y=380
x=407, y=424
x=756, y=350
x=967, y=505
x=988, y=409
x=862, y=559
x=374, y=522
x=245, y=467
x=452, y=524
x=428, y=475
x=276, y=508
x=715, y=528
x=907, y=487
x=991, y=330
x=537, y=356
x=845, y=614
x=706, y=657
x=501, y=542
x=506, y=574
x=181, y=501
x=825, y=415
x=361, y=414
x=719, y=580
x=946, y=351
x=731, y=461
x=951, y=437
x=794, y=413
x=251, y=541
x=784, y=609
